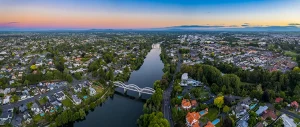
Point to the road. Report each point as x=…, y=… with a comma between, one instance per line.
x=290, y=113
x=167, y=95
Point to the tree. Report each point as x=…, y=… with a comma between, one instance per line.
x=110, y=75
x=154, y=119
x=77, y=75
x=226, y=109
x=228, y=122
x=29, y=105
x=33, y=67
x=266, y=97
x=26, y=82
x=82, y=113
x=252, y=120
x=297, y=91
x=219, y=101
x=69, y=78
x=278, y=123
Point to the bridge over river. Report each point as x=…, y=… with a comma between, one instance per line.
x=133, y=87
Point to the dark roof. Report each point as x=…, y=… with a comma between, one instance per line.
x=22, y=108
x=6, y=114
x=60, y=94
x=51, y=98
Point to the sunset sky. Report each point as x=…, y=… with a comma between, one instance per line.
x=135, y=14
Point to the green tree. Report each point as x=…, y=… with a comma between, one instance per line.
x=110, y=75
x=26, y=82
x=69, y=78
x=155, y=119
x=226, y=109
x=219, y=101
x=82, y=113
x=77, y=75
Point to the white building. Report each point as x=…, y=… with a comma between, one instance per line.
x=287, y=121
x=76, y=100
x=92, y=91
x=184, y=78
x=6, y=100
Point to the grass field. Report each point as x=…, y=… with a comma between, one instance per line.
x=212, y=114
x=37, y=118
x=67, y=102
x=98, y=89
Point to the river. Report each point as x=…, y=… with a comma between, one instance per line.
x=124, y=110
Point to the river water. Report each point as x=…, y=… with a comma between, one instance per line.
x=123, y=110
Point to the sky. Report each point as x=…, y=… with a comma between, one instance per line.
x=140, y=14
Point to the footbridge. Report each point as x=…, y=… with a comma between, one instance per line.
x=133, y=87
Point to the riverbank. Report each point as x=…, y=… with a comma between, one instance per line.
x=152, y=109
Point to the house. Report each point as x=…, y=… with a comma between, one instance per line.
x=192, y=119
x=36, y=109
x=261, y=109
x=242, y=107
x=60, y=96
x=56, y=103
x=6, y=91
x=209, y=124
x=17, y=121
x=259, y=124
x=77, y=88
x=184, y=78
x=22, y=108
x=92, y=91
x=295, y=104
x=194, y=103
x=278, y=100
x=242, y=123
x=6, y=100
x=76, y=100
x=186, y=104
x=26, y=117
x=51, y=98
x=287, y=121
x=229, y=99
x=1, y=91
x=269, y=113
x=6, y=116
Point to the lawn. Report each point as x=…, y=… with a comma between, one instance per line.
x=43, y=100
x=37, y=118
x=67, y=102
x=98, y=89
x=212, y=114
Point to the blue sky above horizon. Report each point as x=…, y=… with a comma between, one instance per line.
x=136, y=14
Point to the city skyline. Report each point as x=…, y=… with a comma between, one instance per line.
x=134, y=14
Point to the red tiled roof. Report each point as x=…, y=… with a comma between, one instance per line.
x=278, y=99
x=209, y=124
x=191, y=116
x=185, y=103
x=269, y=113
x=295, y=104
